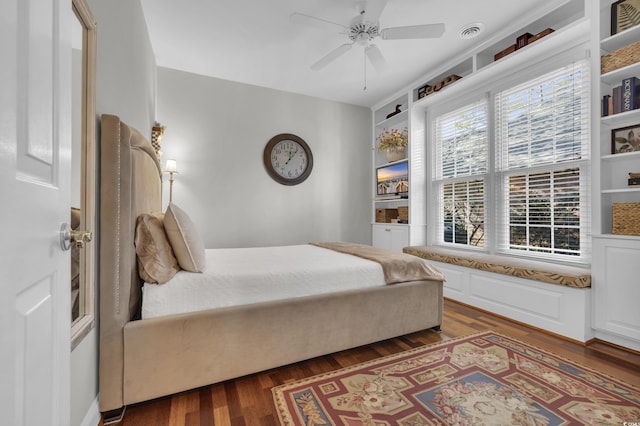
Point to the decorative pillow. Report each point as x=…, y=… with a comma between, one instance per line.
x=185, y=239
x=156, y=261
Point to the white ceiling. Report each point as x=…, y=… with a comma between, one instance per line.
x=254, y=42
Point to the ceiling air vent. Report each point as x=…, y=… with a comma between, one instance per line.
x=470, y=31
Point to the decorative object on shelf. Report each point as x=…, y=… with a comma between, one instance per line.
x=620, y=58
x=424, y=91
x=634, y=179
x=501, y=54
x=445, y=82
x=157, y=133
x=625, y=139
x=395, y=154
x=522, y=41
x=393, y=180
x=172, y=168
x=625, y=218
x=624, y=15
x=403, y=214
x=427, y=89
x=396, y=112
x=385, y=215
x=288, y=159
x=394, y=143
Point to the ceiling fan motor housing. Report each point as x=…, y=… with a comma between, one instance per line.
x=363, y=32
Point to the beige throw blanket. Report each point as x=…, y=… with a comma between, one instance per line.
x=397, y=267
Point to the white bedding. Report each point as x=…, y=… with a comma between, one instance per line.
x=251, y=275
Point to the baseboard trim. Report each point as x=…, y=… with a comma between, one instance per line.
x=524, y=324
x=92, y=418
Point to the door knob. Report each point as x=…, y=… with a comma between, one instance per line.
x=81, y=237
x=69, y=236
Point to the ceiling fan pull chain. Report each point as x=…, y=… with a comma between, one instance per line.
x=365, y=69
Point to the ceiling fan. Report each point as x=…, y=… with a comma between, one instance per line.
x=363, y=29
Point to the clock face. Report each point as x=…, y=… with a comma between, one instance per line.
x=288, y=159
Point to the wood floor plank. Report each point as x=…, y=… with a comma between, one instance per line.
x=247, y=401
x=220, y=406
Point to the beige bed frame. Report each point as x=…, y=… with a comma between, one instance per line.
x=145, y=359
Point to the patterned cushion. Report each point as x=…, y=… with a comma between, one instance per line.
x=571, y=276
x=156, y=261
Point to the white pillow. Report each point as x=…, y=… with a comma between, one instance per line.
x=185, y=240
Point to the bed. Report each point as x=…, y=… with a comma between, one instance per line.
x=158, y=355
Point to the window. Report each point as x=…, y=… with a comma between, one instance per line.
x=542, y=143
x=461, y=165
x=534, y=196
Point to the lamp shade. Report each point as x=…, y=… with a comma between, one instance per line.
x=171, y=166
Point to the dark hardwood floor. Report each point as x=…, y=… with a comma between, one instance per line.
x=247, y=400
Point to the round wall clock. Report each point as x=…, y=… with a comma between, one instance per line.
x=288, y=159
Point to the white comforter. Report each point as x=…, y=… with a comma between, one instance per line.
x=251, y=275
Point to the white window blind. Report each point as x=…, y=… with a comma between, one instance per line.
x=459, y=172
x=542, y=148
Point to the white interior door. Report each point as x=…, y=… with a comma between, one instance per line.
x=35, y=153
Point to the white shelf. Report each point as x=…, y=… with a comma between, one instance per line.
x=621, y=119
x=621, y=157
x=389, y=199
x=616, y=76
x=561, y=39
x=622, y=39
x=620, y=190
x=398, y=118
x=618, y=236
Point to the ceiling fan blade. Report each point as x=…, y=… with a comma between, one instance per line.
x=373, y=9
x=323, y=24
x=331, y=56
x=375, y=56
x=413, y=31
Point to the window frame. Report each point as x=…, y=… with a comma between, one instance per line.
x=439, y=180
x=494, y=195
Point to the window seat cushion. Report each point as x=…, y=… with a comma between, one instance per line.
x=552, y=273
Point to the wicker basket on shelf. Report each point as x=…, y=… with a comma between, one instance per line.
x=622, y=57
x=626, y=218
x=385, y=215
x=403, y=213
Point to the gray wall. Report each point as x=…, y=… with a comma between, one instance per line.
x=217, y=130
x=126, y=79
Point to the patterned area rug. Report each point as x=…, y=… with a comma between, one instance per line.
x=481, y=379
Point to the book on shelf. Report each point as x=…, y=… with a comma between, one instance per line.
x=630, y=94
x=623, y=98
x=605, y=105
x=617, y=99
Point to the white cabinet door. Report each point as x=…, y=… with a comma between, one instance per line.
x=616, y=285
x=391, y=236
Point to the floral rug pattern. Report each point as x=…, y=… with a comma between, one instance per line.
x=482, y=379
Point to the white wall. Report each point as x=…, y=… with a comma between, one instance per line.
x=125, y=86
x=217, y=130
x=126, y=65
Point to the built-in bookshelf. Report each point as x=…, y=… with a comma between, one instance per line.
x=561, y=17
x=615, y=167
x=387, y=197
x=614, y=268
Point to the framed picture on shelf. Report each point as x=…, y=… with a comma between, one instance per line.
x=625, y=139
x=624, y=14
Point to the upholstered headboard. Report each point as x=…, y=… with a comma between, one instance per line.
x=130, y=184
